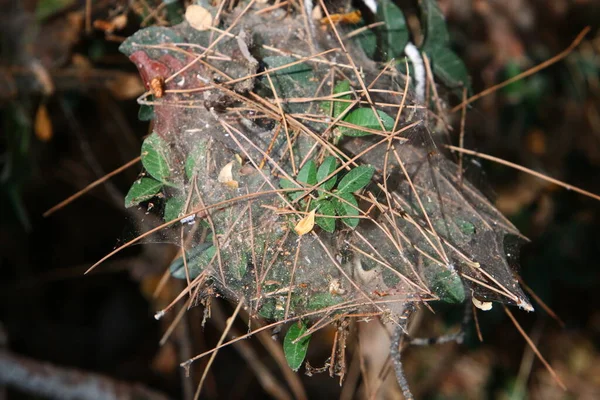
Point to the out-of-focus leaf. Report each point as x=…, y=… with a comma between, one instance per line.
x=47, y=8
x=436, y=34
x=152, y=35
x=365, y=117
x=43, y=125
x=296, y=352
x=141, y=190
x=356, y=179
x=198, y=17
x=448, y=67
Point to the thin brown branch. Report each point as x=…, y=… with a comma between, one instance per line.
x=50, y=381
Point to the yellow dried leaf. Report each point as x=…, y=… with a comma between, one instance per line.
x=482, y=305
x=43, y=125
x=226, y=173
x=226, y=176
x=306, y=224
x=198, y=17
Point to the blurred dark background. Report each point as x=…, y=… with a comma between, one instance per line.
x=68, y=116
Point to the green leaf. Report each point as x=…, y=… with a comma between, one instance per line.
x=365, y=117
x=287, y=184
x=141, y=190
x=155, y=157
x=338, y=106
x=173, y=208
x=448, y=286
x=308, y=173
x=153, y=35
x=325, y=169
x=449, y=68
x=343, y=209
x=146, y=112
x=466, y=227
x=357, y=178
x=296, y=352
x=394, y=34
x=436, y=34
x=196, y=160
x=197, y=259
x=293, y=81
x=326, y=207
x=319, y=301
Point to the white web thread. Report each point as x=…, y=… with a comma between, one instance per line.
x=416, y=60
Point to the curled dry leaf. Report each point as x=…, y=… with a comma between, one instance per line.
x=226, y=176
x=157, y=85
x=482, y=305
x=198, y=17
x=306, y=224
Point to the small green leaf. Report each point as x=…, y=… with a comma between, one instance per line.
x=338, y=106
x=196, y=160
x=155, y=157
x=173, y=208
x=449, y=68
x=365, y=117
x=326, y=207
x=197, y=259
x=325, y=169
x=448, y=286
x=344, y=208
x=319, y=301
x=466, y=227
x=287, y=184
x=356, y=179
x=146, y=112
x=308, y=173
x=141, y=190
x=296, y=352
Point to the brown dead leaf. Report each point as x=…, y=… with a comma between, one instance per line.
x=306, y=224
x=226, y=176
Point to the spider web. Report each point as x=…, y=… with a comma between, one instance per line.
x=251, y=104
